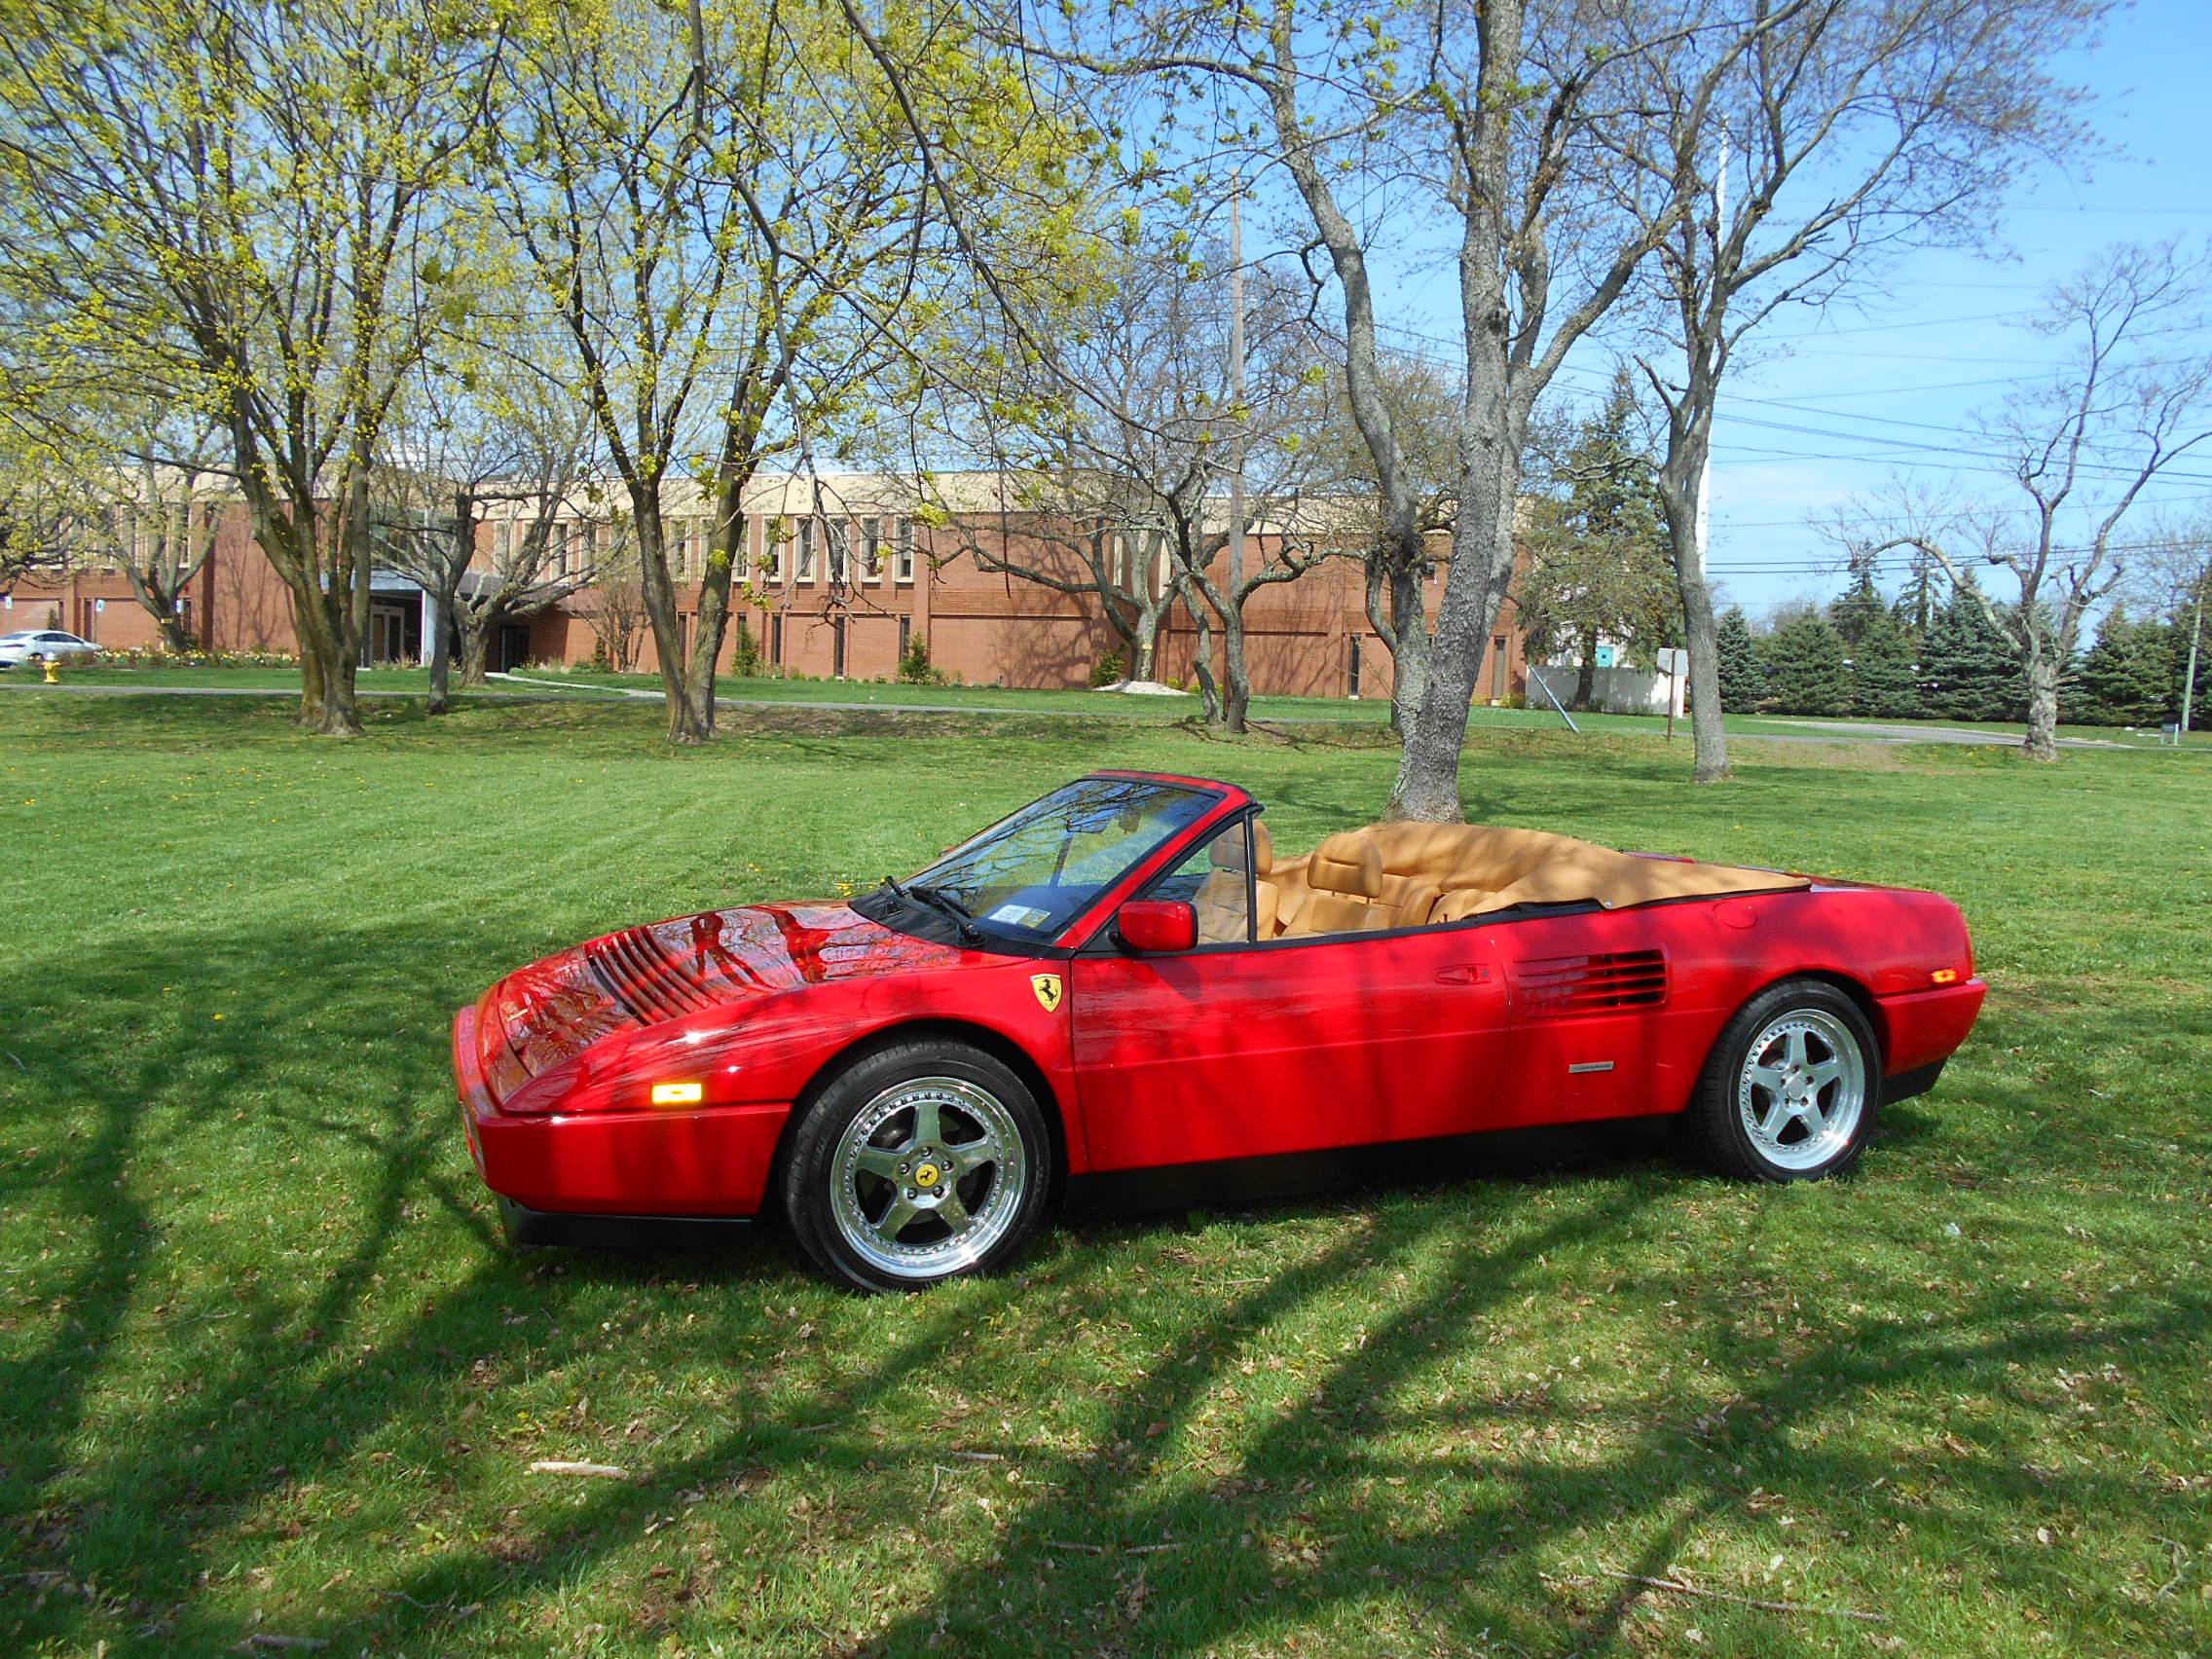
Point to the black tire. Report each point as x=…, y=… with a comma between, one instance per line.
x=1762, y=1111
x=899, y=1127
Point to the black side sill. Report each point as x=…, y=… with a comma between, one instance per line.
x=525, y=1226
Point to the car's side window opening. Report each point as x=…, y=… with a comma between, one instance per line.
x=1216, y=879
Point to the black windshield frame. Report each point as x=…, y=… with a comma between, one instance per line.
x=993, y=874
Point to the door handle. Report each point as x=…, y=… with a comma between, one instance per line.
x=1463, y=974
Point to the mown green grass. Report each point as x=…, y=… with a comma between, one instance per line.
x=268, y=1370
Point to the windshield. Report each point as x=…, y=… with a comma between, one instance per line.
x=1031, y=874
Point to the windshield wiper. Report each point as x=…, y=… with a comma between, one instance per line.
x=942, y=901
x=938, y=899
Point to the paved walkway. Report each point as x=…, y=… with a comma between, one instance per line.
x=1868, y=732
x=553, y=691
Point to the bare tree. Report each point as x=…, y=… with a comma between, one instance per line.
x=614, y=605
x=1114, y=447
x=2082, y=448
x=480, y=464
x=1503, y=121
x=1848, y=128
x=153, y=520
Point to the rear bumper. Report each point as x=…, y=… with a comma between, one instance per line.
x=1923, y=1028
x=709, y=1164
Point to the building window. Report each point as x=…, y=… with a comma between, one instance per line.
x=1355, y=666
x=1498, y=667
x=806, y=549
x=837, y=649
x=836, y=539
x=503, y=540
x=905, y=638
x=902, y=560
x=776, y=639
x=871, y=550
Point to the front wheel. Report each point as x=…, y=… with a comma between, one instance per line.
x=918, y=1163
x=1791, y=1090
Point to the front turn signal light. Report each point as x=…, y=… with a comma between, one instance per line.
x=690, y=1093
x=1942, y=976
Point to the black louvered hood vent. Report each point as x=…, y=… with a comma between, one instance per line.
x=1561, y=985
x=651, y=984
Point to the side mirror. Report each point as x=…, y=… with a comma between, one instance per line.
x=1158, y=924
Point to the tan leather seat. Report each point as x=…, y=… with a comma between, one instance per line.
x=1220, y=900
x=1345, y=875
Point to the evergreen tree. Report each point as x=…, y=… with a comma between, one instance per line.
x=1969, y=671
x=1743, y=677
x=2132, y=675
x=1918, y=601
x=1805, y=670
x=1598, y=565
x=1858, y=607
x=1883, y=668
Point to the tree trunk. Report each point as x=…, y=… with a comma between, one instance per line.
x=1145, y=645
x=1586, y=677
x=716, y=584
x=1427, y=785
x=2042, y=741
x=1201, y=669
x=1237, y=691
x=1682, y=490
x=173, y=636
x=687, y=724
x=441, y=655
x=475, y=630
x=1394, y=578
x=329, y=664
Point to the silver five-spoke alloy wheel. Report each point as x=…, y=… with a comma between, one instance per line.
x=1802, y=1088
x=926, y=1177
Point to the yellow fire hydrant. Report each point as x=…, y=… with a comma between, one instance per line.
x=54, y=670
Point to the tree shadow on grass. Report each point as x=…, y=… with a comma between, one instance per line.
x=190, y=1384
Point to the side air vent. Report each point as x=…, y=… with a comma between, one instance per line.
x=1562, y=985
x=632, y=969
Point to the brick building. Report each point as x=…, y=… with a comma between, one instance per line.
x=846, y=570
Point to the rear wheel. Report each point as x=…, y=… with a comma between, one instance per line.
x=1791, y=1090
x=918, y=1163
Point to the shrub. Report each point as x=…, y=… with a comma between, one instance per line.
x=1109, y=670
x=914, y=667
x=153, y=656
x=745, y=658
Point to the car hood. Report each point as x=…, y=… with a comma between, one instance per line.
x=554, y=1010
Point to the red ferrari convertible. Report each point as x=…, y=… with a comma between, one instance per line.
x=1126, y=977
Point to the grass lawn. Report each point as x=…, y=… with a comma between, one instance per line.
x=270, y=1372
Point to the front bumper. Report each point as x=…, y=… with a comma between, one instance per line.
x=711, y=1164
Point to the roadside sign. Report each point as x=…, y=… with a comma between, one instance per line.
x=1674, y=662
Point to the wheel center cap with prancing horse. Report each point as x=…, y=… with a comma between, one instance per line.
x=927, y=1175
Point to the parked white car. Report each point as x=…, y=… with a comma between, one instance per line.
x=36, y=644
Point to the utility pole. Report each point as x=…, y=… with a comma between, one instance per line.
x=2196, y=642
x=1233, y=705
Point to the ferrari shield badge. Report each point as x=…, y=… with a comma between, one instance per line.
x=1048, y=989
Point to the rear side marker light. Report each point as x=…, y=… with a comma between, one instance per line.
x=689, y=1093
x=1942, y=976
